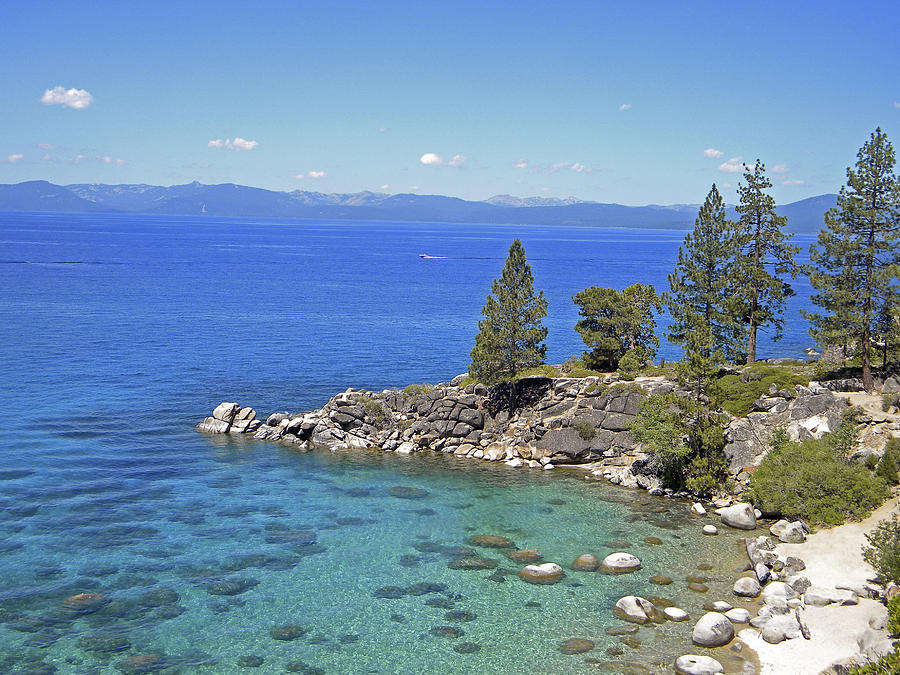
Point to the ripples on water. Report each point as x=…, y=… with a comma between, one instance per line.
x=193, y=549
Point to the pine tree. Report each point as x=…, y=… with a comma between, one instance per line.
x=763, y=258
x=854, y=265
x=510, y=337
x=702, y=297
x=615, y=322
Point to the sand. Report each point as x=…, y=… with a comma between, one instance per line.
x=833, y=557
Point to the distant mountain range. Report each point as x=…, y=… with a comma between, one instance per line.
x=239, y=200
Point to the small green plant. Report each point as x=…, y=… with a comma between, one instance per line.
x=572, y=363
x=584, y=372
x=883, y=551
x=888, y=467
x=543, y=370
x=893, y=607
x=886, y=665
x=374, y=408
x=417, y=389
x=738, y=391
x=586, y=430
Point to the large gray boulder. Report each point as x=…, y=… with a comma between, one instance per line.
x=713, y=630
x=226, y=412
x=781, y=627
x=740, y=516
x=620, y=563
x=692, y=664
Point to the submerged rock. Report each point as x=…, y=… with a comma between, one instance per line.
x=524, y=556
x=288, y=632
x=636, y=609
x=576, y=646
x=740, y=516
x=490, y=541
x=451, y=632
x=406, y=492
x=467, y=647
x=472, y=563
x=586, y=562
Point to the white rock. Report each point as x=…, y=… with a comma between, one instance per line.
x=675, y=614
x=533, y=464
x=620, y=563
x=636, y=609
x=226, y=411
x=697, y=509
x=778, y=590
x=492, y=454
x=405, y=448
x=710, y=530
x=720, y=606
x=691, y=664
x=548, y=467
x=757, y=513
x=819, y=597
x=747, y=587
x=738, y=615
x=713, y=630
x=781, y=627
x=478, y=454
x=740, y=516
x=515, y=462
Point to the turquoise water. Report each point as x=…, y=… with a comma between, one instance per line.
x=119, y=334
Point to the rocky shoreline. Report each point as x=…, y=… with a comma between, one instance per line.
x=561, y=421
x=583, y=423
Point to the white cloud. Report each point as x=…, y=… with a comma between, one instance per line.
x=79, y=99
x=47, y=158
x=431, y=159
x=897, y=104
x=120, y=162
x=735, y=165
x=577, y=167
x=111, y=160
x=521, y=164
x=456, y=160
x=545, y=189
x=381, y=130
x=413, y=188
x=780, y=168
x=384, y=187
x=727, y=186
x=15, y=158
x=107, y=160
x=237, y=144
x=311, y=174
x=712, y=153
x=45, y=146
x=793, y=182
x=625, y=106
x=77, y=159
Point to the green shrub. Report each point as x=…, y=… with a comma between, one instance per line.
x=887, y=468
x=813, y=480
x=630, y=365
x=706, y=475
x=572, y=363
x=883, y=551
x=584, y=372
x=374, y=408
x=586, y=430
x=738, y=391
x=416, y=389
x=893, y=606
x=889, y=401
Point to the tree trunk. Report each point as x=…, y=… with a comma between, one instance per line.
x=754, y=296
x=868, y=384
x=512, y=397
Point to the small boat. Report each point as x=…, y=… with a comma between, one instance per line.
x=432, y=257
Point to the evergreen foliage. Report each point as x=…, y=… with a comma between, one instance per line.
x=614, y=322
x=764, y=256
x=702, y=299
x=685, y=440
x=736, y=392
x=511, y=335
x=854, y=264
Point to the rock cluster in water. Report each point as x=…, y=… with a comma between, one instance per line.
x=559, y=421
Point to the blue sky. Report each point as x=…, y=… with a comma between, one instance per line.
x=613, y=102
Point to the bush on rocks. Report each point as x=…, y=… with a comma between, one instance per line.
x=814, y=480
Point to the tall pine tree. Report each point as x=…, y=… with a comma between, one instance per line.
x=510, y=337
x=764, y=257
x=854, y=265
x=702, y=296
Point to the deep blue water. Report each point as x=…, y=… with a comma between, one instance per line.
x=119, y=333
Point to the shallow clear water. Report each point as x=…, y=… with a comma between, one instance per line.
x=120, y=333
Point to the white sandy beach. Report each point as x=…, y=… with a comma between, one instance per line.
x=833, y=557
